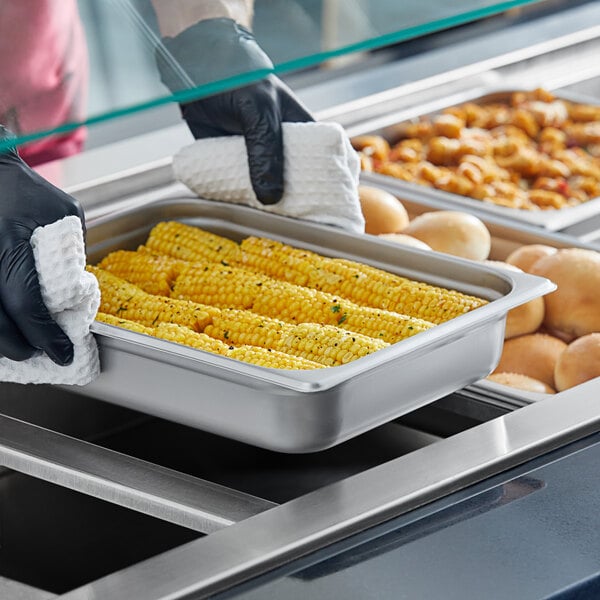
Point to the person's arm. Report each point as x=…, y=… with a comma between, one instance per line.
x=209, y=40
x=175, y=16
x=27, y=201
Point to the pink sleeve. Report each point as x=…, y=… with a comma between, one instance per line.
x=43, y=74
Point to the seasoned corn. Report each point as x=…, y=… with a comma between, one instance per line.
x=219, y=285
x=182, y=335
x=231, y=287
x=191, y=243
x=325, y=344
x=153, y=273
x=127, y=301
x=273, y=359
x=365, y=285
x=124, y=323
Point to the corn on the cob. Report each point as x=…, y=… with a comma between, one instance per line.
x=362, y=284
x=127, y=301
x=153, y=273
x=219, y=285
x=124, y=323
x=191, y=243
x=182, y=335
x=231, y=287
x=272, y=359
x=250, y=354
x=325, y=344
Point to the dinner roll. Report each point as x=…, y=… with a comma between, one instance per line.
x=521, y=382
x=405, y=240
x=453, y=232
x=579, y=362
x=526, y=256
x=574, y=308
x=525, y=318
x=383, y=212
x=534, y=355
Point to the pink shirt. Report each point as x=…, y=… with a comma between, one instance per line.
x=43, y=74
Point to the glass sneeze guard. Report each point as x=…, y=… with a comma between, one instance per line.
x=123, y=41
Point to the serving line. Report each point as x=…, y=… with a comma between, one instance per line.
x=265, y=541
x=129, y=482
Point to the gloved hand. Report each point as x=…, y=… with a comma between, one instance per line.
x=217, y=49
x=27, y=201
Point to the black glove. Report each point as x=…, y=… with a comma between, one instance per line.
x=217, y=49
x=26, y=202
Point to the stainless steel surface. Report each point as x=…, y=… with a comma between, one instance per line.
x=549, y=219
x=13, y=590
x=275, y=476
x=494, y=392
x=298, y=527
x=301, y=411
x=168, y=495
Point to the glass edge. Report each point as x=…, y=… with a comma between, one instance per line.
x=281, y=68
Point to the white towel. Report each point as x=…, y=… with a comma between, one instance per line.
x=72, y=296
x=321, y=171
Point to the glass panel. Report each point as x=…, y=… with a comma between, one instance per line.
x=43, y=74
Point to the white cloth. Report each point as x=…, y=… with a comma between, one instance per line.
x=321, y=171
x=72, y=296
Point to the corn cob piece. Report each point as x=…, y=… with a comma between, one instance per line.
x=324, y=344
x=365, y=285
x=219, y=285
x=153, y=273
x=265, y=357
x=250, y=354
x=127, y=301
x=191, y=243
x=231, y=287
x=182, y=335
x=124, y=323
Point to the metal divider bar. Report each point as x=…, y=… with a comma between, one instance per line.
x=129, y=482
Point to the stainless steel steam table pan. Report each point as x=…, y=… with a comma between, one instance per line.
x=553, y=220
x=301, y=411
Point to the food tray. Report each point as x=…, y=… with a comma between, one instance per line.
x=553, y=220
x=301, y=411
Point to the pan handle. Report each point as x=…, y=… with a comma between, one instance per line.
x=121, y=479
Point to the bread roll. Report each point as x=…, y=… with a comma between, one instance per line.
x=579, y=362
x=452, y=232
x=525, y=318
x=405, y=240
x=533, y=355
x=526, y=256
x=521, y=382
x=574, y=308
x=383, y=212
